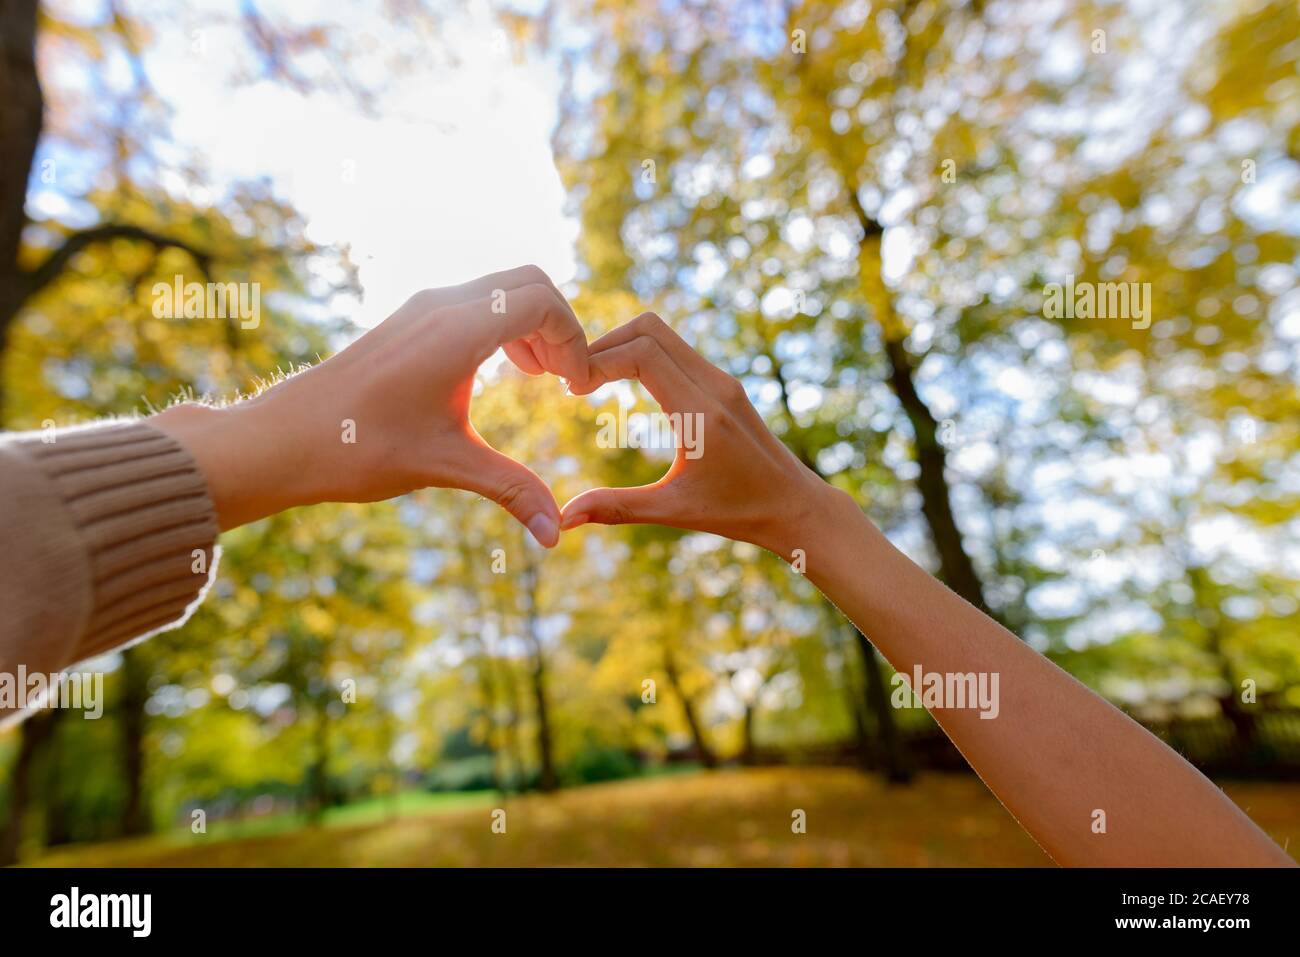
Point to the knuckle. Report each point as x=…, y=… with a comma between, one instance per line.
x=733, y=392
x=539, y=294
x=511, y=494
x=642, y=346
x=534, y=274
x=648, y=323
x=439, y=313
x=424, y=299
x=726, y=423
x=644, y=349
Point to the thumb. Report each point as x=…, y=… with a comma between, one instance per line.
x=615, y=506
x=517, y=489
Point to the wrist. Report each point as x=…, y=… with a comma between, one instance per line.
x=850, y=556
x=248, y=468
x=813, y=514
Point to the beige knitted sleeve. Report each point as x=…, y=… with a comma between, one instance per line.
x=107, y=534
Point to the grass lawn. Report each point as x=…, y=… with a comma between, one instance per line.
x=729, y=817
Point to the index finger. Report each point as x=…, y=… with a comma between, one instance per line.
x=537, y=314
x=650, y=324
x=645, y=360
x=485, y=286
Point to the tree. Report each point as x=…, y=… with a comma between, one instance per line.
x=141, y=234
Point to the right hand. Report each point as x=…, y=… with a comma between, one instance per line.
x=745, y=484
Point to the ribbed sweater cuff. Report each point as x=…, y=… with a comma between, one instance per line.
x=143, y=511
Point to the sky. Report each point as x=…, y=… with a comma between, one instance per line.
x=453, y=179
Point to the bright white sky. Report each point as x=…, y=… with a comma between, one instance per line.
x=453, y=180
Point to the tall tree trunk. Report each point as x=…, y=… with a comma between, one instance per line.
x=1230, y=704
x=58, y=809
x=877, y=701
x=487, y=689
x=20, y=130
x=702, y=749
x=318, y=796
x=955, y=565
x=547, y=779
x=35, y=732
x=55, y=788
x=1245, y=733
x=516, y=766
x=897, y=769
x=748, y=756
x=853, y=701
x=135, y=694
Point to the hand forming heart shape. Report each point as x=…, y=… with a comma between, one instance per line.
x=390, y=414
x=747, y=486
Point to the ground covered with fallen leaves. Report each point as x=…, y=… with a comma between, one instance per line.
x=720, y=818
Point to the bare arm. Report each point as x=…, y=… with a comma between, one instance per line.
x=1056, y=754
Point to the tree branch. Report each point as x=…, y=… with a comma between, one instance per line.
x=58, y=261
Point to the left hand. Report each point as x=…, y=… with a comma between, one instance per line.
x=390, y=413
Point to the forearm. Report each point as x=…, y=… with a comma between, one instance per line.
x=254, y=463
x=285, y=448
x=109, y=534
x=1056, y=754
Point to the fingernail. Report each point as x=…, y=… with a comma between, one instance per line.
x=542, y=527
x=573, y=521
